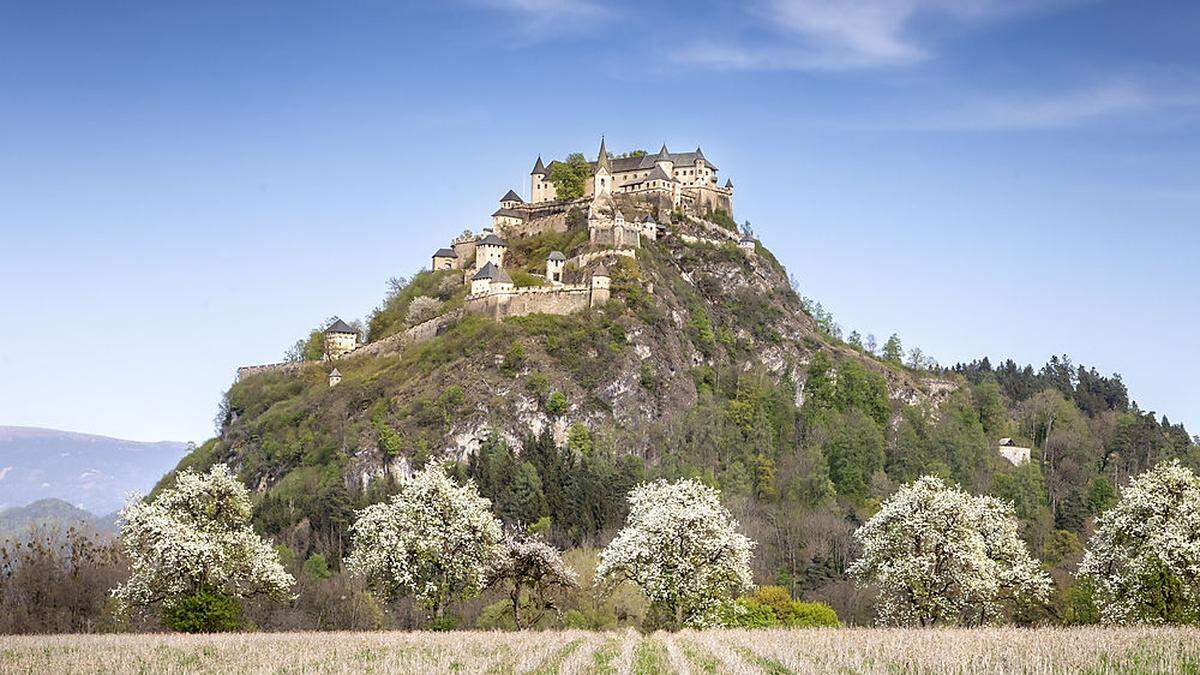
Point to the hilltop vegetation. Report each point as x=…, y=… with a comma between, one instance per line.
x=705, y=364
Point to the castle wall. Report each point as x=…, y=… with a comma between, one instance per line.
x=531, y=300
x=393, y=343
x=465, y=251
x=582, y=260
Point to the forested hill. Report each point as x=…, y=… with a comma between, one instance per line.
x=705, y=363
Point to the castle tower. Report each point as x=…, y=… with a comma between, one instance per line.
x=340, y=339
x=334, y=377
x=490, y=249
x=649, y=228
x=444, y=259
x=663, y=161
x=701, y=176
x=600, y=287
x=602, y=181
x=540, y=189
x=481, y=283
x=554, y=267
x=511, y=200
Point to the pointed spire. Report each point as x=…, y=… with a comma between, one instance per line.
x=602, y=158
x=538, y=168
x=699, y=154
x=663, y=155
x=601, y=271
x=729, y=183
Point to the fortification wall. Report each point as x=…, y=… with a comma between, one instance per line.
x=421, y=332
x=531, y=300
x=582, y=260
x=282, y=367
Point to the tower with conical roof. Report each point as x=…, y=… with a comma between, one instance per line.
x=663, y=161
x=602, y=180
x=540, y=187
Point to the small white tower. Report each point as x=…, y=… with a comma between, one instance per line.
x=334, y=377
x=600, y=286
x=554, y=267
x=340, y=339
x=490, y=249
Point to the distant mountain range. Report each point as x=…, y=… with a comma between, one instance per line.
x=88, y=472
x=16, y=521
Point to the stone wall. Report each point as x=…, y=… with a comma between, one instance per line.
x=581, y=261
x=282, y=367
x=421, y=332
x=531, y=300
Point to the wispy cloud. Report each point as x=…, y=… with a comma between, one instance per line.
x=537, y=20
x=848, y=34
x=1106, y=101
x=1064, y=109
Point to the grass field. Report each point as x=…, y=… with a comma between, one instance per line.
x=1091, y=650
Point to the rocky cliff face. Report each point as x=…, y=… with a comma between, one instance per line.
x=687, y=311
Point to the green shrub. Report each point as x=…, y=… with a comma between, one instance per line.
x=556, y=404
x=204, y=612
x=813, y=615
x=746, y=612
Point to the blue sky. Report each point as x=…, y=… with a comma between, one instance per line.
x=189, y=187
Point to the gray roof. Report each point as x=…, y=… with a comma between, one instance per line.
x=512, y=213
x=601, y=271
x=501, y=276
x=729, y=182
x=445, y=253
x=556, y=255
x=339, y=326
x=334, y=373
x=656, y=174
x=492, y=240
x=648, y=219
x=663, y=155
x=602, y=159
x=538, y=167
x=644, y=162
x=511, y=196
x=488, y=271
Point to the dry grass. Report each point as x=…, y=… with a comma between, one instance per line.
x=1092, y=650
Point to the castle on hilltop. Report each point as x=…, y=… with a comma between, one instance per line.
x=625, y=202
x=683, y=177
x=621, y=198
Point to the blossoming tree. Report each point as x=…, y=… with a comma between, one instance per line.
x=530, y=563
x=941, y=556
x=435, y=540
x=682, y=547
x=196, y=538
x=1144, y=560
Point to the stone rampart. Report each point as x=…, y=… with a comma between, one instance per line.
x=282, y=367
x=421, y=332
x=581, y=261
x=531, y=300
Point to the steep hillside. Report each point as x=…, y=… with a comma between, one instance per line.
x=703, y=363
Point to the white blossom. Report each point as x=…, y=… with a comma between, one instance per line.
x=1144, y=560
x=941, y=556
x=682, y=547
x=435, y=541
x=531, y=562
x=197, y=535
